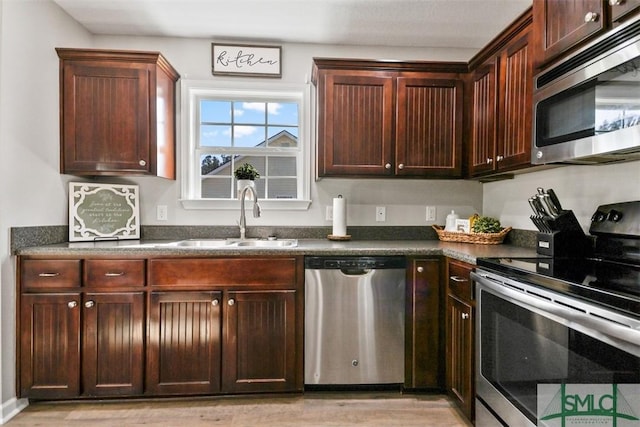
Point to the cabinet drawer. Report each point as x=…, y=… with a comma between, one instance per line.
x=37, y=273
x=114, y=272
x=460, y=280
x=223, y=271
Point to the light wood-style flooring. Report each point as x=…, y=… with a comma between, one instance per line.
x=310, y=409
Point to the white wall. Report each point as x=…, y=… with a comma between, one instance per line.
x=580, y=188
x=32, y=191
x=405, y=200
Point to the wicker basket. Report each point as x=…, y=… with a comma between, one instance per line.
x=479, y=238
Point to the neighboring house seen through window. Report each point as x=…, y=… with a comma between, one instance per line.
x=228, y=127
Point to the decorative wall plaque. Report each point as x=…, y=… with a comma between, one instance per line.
x=246, y=60
x=103, y=212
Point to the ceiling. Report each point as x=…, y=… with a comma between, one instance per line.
x=409, y=23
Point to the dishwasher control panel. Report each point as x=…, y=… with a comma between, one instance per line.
x=366, y=262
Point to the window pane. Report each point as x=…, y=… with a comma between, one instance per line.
x=215, y=111
x=257, y=162
x=283, y=137
x=259, y=187
x=282, y=166
x=283, y=113
x=216, y=188
x=285, y=188
x=249, y=112
x=248, y=136
x=215, y=164
x=215, y=136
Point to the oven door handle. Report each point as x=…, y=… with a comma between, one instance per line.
x=597, y=322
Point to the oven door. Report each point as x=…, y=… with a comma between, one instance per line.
x=527, y=336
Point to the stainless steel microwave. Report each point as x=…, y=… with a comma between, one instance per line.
x=587, y=108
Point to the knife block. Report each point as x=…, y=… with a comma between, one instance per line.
x=566, y=239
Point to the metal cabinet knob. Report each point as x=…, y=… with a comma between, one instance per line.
x=215, y=302
x=89, y=304
x=387, y=166
x=615, y=2
x=489, y=160
x=420, y=269
x=401, y=166
x=591, y=17
x=499, y=158
x=231, y=301
x=72, y=304
x=142, y=163
x=465, y=316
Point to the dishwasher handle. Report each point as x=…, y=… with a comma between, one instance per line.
x=355, y=271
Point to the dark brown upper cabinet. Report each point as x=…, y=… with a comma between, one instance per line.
x=500, y=103
x=561, y=26
x=389, y=119
x=117, y=113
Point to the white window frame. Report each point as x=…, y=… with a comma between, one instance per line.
x=191, y=91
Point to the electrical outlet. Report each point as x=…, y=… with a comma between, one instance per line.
x=161, y=213
x=328, y=213
x=381, y=214
x=431, y=213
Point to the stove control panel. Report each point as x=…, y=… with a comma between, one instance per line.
x=621, y=219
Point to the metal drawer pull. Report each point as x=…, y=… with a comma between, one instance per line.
x=215, y=302
x=49, y=274
x=458, y=279
x=114, y=274
x=89, y=304
x=72, y=304
x=465, y=316
x=231, y=301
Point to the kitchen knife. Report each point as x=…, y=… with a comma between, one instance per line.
x=540, y=206
x=555, y=200
x=553, y=212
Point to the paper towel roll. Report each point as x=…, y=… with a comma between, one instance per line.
x=339, y=216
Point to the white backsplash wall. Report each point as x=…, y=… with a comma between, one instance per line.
x=580, y=189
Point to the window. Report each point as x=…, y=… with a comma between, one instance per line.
x=224, y=128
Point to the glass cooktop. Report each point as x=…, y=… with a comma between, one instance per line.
x=609, y=283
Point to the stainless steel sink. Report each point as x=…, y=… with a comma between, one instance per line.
x=234, y=243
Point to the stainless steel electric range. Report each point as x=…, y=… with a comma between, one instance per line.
x=566, y=317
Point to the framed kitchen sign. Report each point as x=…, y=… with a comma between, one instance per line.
x=103, y=212
x=246, y=60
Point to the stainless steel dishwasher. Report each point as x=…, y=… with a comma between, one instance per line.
x=354, y=320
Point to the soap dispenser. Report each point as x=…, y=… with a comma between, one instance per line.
x=451, y=221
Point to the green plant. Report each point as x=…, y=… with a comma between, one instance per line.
x=246, y=171
x=486, y=224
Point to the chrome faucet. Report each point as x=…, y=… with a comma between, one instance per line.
x=256, y=209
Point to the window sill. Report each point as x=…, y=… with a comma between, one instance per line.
x=267, y=205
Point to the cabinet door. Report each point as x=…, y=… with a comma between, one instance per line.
x=183, y=345
x=113, y=327
x=355, y=136
x=513, y=148
x=260, y=351
x=49, y=346
x=105, y=118
x=460, y=354
x=429, y=127
x=423, y=351
x=561, y=25
x=621, y=9
x=484, y=118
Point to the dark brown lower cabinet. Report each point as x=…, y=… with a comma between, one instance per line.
x=113, y=344
x=460, y=330
x=50, y=345
x=259, y=341
x=423, y=346
x=183, y=349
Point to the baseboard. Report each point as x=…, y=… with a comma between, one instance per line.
x=11, y=408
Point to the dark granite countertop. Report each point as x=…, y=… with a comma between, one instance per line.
x=157, y=248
